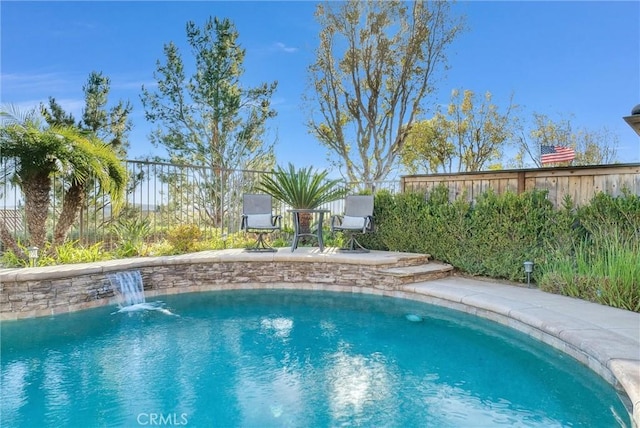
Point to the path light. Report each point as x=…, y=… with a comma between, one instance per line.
x=33, y=255
x=528, y=268
x=224, y=241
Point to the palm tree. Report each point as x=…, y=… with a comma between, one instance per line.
x=25, y=148
x=302, y=189
x=88, y=159
x=33, y=154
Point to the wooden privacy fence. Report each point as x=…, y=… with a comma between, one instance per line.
x=582, y=183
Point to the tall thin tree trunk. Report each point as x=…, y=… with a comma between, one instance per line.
x=37, y=200
x=71, y=205
x=10, y=241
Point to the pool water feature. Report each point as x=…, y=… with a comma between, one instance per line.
x=291, y=358
x=129, y=289
x=128, y=286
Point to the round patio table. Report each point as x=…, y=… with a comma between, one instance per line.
x=315, y=213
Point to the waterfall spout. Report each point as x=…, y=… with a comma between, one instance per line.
x=130, y=292
x=128, y=287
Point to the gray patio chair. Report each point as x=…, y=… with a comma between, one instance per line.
x=357, y=218
x=258, y=217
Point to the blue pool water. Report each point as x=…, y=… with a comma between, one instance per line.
x=291, y=359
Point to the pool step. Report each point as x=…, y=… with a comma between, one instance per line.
x=418, y=273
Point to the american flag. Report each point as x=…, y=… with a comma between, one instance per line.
x=551, y=154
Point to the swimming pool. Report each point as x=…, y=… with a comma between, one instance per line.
x=291, y=358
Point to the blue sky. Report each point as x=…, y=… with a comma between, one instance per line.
x=569, y=60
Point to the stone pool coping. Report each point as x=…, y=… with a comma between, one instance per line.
x=605, y=339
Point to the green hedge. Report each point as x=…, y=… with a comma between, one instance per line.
x=497, y=233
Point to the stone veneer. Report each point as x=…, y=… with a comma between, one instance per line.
x=45, y=291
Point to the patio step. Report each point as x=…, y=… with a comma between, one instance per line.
x=418, y=273
x=409, y=260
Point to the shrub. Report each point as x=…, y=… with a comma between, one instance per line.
x=508, y=229
x=73, y=252
x=606, y=215
x=131, y=234
x=383, y=208
x=597, y=253
x=605, y=271
x=449, y=229
x=402, y=229
x=184, y=238
x=492, y=237
x=592, y=253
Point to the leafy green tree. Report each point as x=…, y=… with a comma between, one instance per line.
x=591, y=147
x=56, y=115
x=468, y=138
x=111, y=125
x=375, y=66
x=209, y=119
x=34, y=154
x=429, y=148
x=480, y=131
x=596, y=147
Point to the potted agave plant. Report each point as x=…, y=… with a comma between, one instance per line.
x=302, y=189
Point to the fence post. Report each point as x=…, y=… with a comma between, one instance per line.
x=521, y=182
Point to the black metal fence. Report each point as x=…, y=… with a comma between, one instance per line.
x=162, y=195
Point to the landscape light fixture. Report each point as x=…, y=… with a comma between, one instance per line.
x=634, y=119
x=33, y=255
x=528, y=268
x=224, y=240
